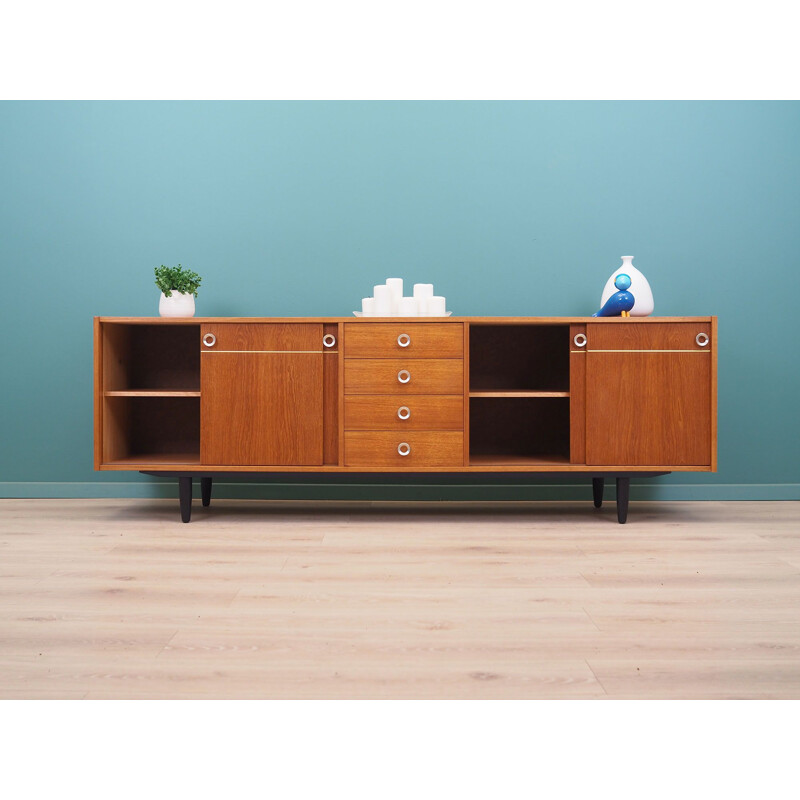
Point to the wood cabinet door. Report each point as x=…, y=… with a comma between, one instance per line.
x=262, y=405
x=649, y=394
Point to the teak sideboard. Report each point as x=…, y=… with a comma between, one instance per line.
x=609, y=398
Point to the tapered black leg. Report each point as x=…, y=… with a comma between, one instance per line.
x=597, y=491
x=185, y=493
x=205, y=490
x=623, y=493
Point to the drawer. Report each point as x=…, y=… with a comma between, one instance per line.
x=403, y=376
x=409, y=339
x=383, y=449
x=649, y=336
x=261, y=337
x=370, y=412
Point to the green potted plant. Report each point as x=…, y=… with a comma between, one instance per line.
x=178, y=291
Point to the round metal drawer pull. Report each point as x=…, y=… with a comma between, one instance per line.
x=404, y=340
x=404, y=448
x=580, y=340
x=701, y=339
x=404, y=412
x=329, y=340
x=404, y=376
x=209, y=340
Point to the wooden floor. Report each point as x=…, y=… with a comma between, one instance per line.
x=118, y=599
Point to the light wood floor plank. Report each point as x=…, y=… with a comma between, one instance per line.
x=118, y=599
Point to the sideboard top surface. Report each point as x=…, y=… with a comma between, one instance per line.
x=361, y=320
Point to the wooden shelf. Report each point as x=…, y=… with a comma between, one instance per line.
x=151, y=393
x=519, y=393
x=154, y=459
x=513, y=460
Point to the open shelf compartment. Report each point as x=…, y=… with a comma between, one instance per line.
x=156, y=359
x=518, y=431
x=151, y=430
x=519, y=359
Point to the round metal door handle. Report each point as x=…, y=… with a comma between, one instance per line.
x=701, y=339
x=404, y=376
x=580, y=340
x=404, y=340
x=209, y=340
x=404, y=448
x=328, y=340
x=404, y=412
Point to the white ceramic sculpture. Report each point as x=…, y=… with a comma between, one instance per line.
x=640, y=289
x=388, y=301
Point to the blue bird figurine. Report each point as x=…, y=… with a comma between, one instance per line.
x=620, y=303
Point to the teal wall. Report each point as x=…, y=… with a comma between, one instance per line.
x=299, y=208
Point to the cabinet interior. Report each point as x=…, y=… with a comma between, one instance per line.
x=518, y=430
x=151, y=358
x=519, y=358
x=519, y=394
x=151, y=394
x=152, y=430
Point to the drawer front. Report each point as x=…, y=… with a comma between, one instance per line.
x=383, y=449
x=649, y=336
x=369, y=412
x=403, y=376
x=275, y=337
x=410, y=340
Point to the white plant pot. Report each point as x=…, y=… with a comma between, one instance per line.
x=178, y=304
x=640, y=289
